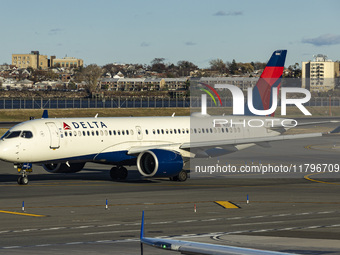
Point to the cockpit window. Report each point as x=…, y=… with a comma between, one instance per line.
x=26, y=134
x=12, y=134
x=2, y=137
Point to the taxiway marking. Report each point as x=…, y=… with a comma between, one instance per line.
x=307, y=177
x=23, y=214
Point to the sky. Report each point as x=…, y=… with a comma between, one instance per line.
x=136, y=31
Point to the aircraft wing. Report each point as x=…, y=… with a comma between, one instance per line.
x=210, y=144
x=192, y=248
x=246, y=140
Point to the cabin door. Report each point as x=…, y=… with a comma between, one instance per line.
x=54, y=135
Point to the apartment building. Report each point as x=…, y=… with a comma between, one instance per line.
x=33, y=60
x=319, y=75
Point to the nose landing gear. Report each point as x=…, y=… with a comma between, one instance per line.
x=23, y=169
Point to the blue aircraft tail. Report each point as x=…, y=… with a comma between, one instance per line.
x=270, y=78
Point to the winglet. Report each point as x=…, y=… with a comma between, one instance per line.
x=45, y=115
x=142, y=227
x=335, y=131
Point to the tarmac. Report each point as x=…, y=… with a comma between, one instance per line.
x=67, y=213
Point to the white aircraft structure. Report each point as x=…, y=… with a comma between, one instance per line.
x=198, y=248
x=159, y=146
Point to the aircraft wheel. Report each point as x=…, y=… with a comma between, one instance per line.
x=118, y=173
x=23, y=180
x=182, y=176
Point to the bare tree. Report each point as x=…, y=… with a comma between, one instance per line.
x=91, y=75
x=218, y=65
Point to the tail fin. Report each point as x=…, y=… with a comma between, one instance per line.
x=45, y=114
x=142, y=227
x=270, y=78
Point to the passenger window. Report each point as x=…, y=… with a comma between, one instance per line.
x=92, y=133
x=131, y=131
x=65, y=133
x=146, y=131
x=127, y=132
x=166, y=131
x=101, y=132
x=118, y=132
x=79, y=133
x=88, y=133
x=202, y=130
x=162, y=132
x=70, y=133
x=170, y=131
x=105, y=132
x=195, y=130
x=110, y=133
x=84, y=133
x=179, y=131
x=114, y=132
x=175, y=131
x=157, y=131
x=153, y=131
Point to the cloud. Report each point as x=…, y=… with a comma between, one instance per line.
x=326, y=39
x=54, y=31
x=190, y=43
x=145, y=44
x=231, y=13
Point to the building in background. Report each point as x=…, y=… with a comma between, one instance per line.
x=67, y=62
x=33, y=60
x=37, y=61
x=319, y=75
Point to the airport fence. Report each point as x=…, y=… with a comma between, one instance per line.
x=121, y=102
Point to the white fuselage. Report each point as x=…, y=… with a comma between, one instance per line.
x=92, y=139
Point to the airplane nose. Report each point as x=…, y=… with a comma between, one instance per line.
x=5, y=152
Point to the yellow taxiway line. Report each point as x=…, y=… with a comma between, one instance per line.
x=313, y=180
x=23, y=214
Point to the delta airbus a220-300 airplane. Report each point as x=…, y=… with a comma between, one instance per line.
x=158, y=146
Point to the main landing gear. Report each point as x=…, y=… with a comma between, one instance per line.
x=23, y=169
x=181, y=177
x=118, y=173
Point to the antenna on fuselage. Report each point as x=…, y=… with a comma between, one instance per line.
x=96, y=116
x=173, y=115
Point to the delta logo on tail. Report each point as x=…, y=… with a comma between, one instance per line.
x=269, y=79
x=263, y=96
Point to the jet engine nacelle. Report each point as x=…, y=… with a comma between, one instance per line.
x=159, y=163
x=63, y=168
